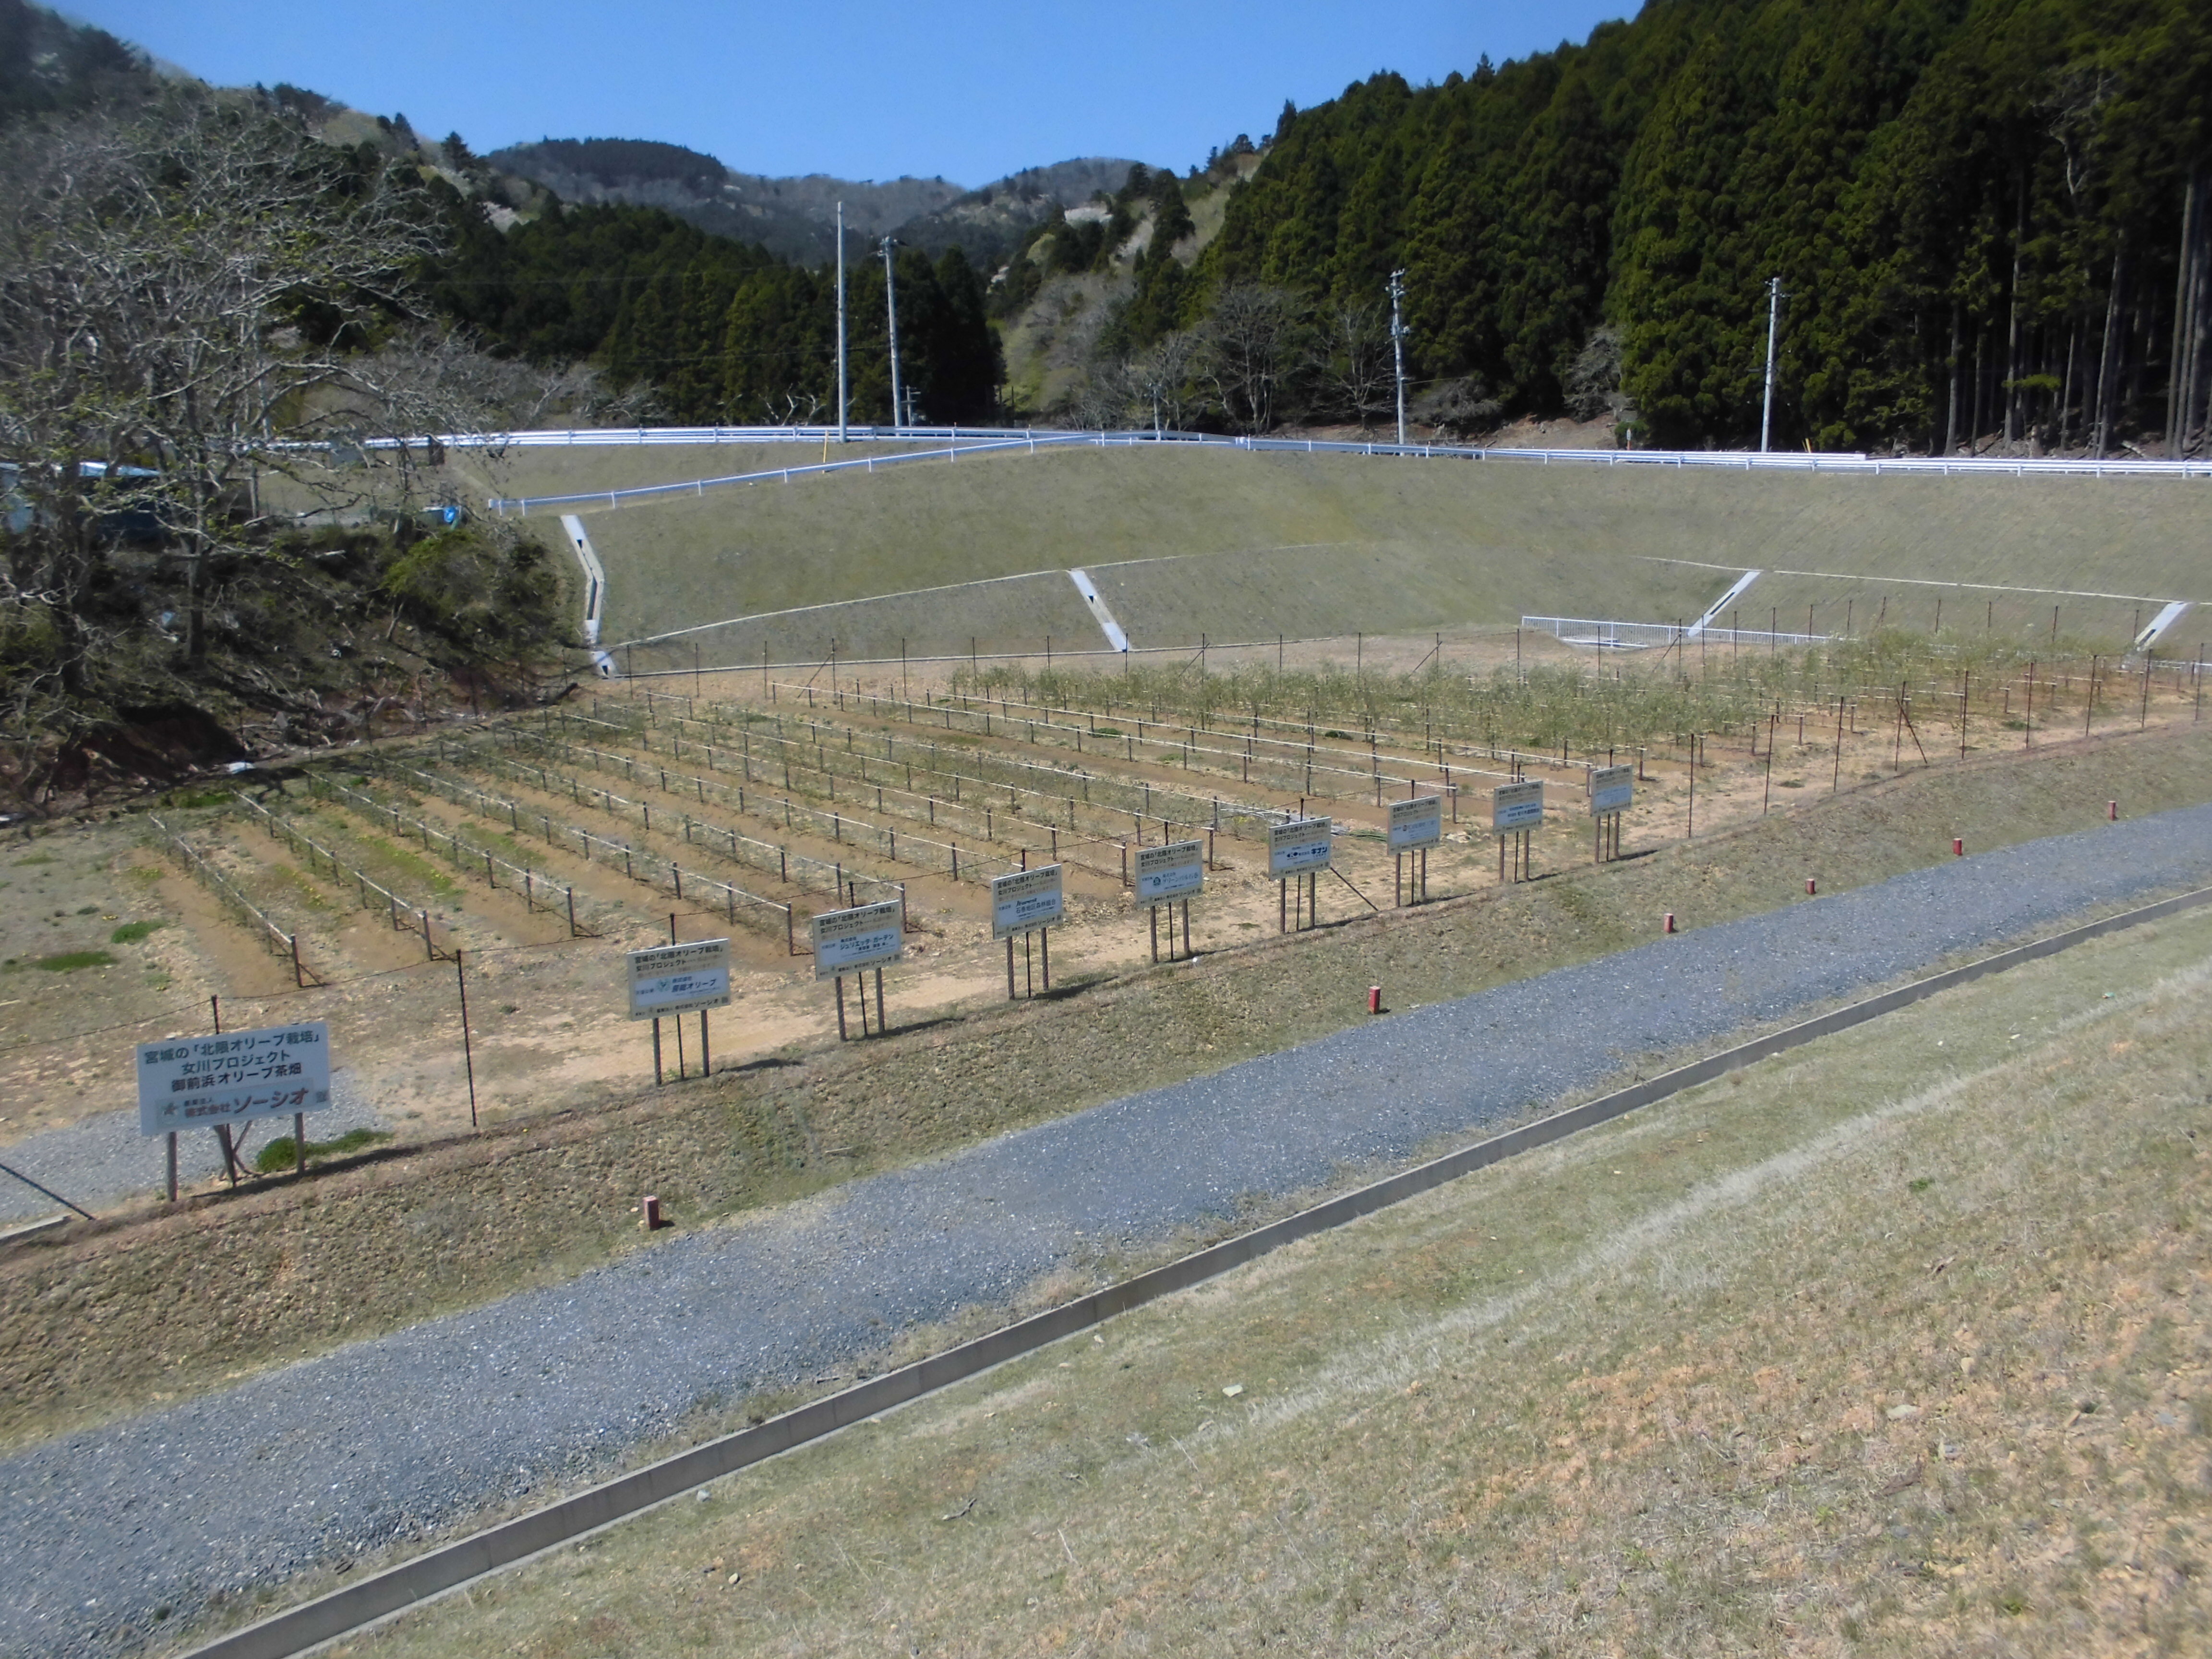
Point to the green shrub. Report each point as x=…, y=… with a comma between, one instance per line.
x=278, y=1155
x=70, y=961
x=131, y=932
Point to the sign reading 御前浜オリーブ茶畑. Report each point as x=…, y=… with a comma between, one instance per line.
x=1299, y=846
x=1613, y=789
x=187, y=1083
x=1417, y=823
x=679, y=979
x=1175, y=870
x=1516, y=806
x=1025, y=901
x=867, y=936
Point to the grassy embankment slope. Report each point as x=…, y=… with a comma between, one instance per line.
x=1897, y=1344
x=1246, y=546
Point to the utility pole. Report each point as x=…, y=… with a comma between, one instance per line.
x=1773, y=324
x=840, y=322
x=1398, y=348
x=890, y=299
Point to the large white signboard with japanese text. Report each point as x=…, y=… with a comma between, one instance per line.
x=1613, y=789
x=1167, y=873
x=679, y=979
x=1516, y=806
x=867, y=936
x=1417, y=823
x=1025, y=901
x=191, y=1083
x=1298, y=847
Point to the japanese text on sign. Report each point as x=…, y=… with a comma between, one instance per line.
x=1169, y=872
x=868, y=936
x=1613, y=789
x=1299, y=846
x=1416, y=823
x=187, y=1083
x=1516, y=806
x=1025, y=901
x=679, y=979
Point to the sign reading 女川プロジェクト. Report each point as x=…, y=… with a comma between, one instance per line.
x=1613, y=789
x=679, y=979
x=1417, y=823
x=867, y=936
x=1299, y=846
x=1176, y=871
x=1025, y=901
x=187, y=1083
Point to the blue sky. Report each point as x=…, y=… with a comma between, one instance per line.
x=862, y=88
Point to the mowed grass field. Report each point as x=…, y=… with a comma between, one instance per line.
x=1898, y=1344
x=1260, y=544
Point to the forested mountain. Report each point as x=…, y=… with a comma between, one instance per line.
x=796, y=218
x=1988, y=217
x=723, y=331
x=792, y=218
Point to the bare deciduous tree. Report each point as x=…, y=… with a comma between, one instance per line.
x=1257, y=348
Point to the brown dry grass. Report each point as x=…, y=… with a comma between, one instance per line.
x=355, y=1253
x=1901, y=1344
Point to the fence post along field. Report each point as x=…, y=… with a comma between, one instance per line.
x=1026, y=904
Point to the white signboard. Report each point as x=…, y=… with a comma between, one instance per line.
x=1024, y=902
x=1613, y=789
x=868, y=936
x=679, y=979
x=1301, y=845
x=1416, y=823
x=1516, y=806
x=188, y=1083
x=1170, y=872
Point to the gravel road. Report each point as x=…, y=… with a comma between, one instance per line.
x=98, y=1159
x=389, y=1438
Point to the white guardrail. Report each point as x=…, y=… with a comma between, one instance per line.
x=953, y=442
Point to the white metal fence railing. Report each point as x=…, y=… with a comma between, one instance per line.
x=956, y=442
x=1607, y=634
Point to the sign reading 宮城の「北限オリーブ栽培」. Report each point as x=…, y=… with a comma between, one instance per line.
x=187, y=1083
x=1025, y=901
x=1176, y=871
x=867, y=936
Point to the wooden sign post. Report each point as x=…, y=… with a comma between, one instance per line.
x=1416, y=825
x=671, y=981
x=1297, y=852
x=1516, y=812
x=1026, y=902
x=852, y=941
x=1612, y=791
x=1167, y=876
